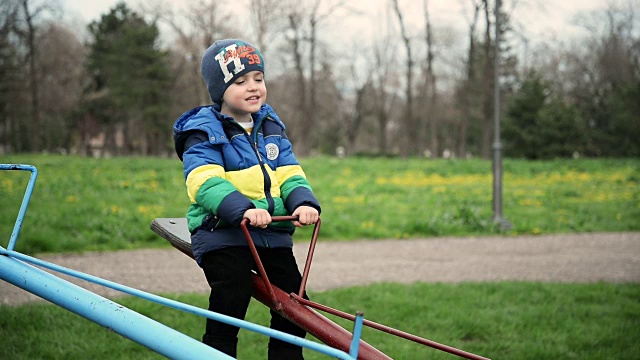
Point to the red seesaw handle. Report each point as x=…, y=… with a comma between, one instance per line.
x=261, y=270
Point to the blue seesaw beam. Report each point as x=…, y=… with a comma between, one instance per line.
x=123, y=321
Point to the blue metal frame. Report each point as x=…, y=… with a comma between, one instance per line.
x=123, y=321
x=25, y=199
x=14, y=268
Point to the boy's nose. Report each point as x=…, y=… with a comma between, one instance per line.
x=252, y=85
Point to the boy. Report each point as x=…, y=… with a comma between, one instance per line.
x=238, y=163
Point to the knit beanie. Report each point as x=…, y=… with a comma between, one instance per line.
x=225, y=61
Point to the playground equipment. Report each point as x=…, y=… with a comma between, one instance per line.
x=16, y=268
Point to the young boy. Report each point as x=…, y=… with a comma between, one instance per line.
x=238, y=163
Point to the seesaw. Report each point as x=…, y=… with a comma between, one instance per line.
x=293, y=306
x=18, y=269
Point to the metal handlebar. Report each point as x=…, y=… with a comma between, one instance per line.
x=262, y=271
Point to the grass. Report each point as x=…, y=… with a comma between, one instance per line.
x=511, y=320
x=82, y=204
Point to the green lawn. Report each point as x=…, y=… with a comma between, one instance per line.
x=507, y=320
x=82, y=204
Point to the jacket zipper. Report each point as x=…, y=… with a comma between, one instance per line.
x=267, y=179
x=253, y=139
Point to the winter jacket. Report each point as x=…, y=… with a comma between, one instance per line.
x=228, y=171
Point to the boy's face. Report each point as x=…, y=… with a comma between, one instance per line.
x=245, y=96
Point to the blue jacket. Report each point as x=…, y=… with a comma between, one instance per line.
x=228, y=171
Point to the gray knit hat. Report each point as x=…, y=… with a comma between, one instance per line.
x=225, y=61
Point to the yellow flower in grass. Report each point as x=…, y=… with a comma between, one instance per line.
x=536, y=231
x=148, y=186
x=72, y=199
x=149, y=210
x=419, y=179
x=349, y=199
x=367, y=225
x=7, y=184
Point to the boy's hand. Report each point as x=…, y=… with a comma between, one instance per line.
x=258, y=217
x=307, y=215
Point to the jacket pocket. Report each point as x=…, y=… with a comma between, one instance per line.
x=210, y=222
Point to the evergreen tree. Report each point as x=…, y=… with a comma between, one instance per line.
x=540, y=125
x=14, y=133
x=130, y=80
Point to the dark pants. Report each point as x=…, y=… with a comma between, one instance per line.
x=229, y=274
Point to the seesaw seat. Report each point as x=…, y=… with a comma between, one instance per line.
x=176, y=232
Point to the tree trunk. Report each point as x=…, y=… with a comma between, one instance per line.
x=431, y=83
x=33, y=77
x=467, y=92
x=411, y=130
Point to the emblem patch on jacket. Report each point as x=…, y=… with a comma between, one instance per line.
x=272, y=151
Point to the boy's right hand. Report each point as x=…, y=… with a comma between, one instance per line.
x=258, y=217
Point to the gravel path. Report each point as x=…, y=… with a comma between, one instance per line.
x=577, y=258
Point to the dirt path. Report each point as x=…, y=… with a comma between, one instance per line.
x=580, y=258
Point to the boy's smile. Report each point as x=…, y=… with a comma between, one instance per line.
x=245, y=96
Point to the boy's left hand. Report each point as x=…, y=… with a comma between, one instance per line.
x=307, y=215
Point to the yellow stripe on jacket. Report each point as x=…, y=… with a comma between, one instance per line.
x=285, y=172
x=199, y=176
x=250, y=182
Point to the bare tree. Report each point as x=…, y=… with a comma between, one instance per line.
x=430, y=83
x=196, y=28
x=61, y=59
x=11, y=89
x=467, y=91
x=602, y=78
x=264, y=14
x=295, y=38
x=302, y=34
x=385, y=94
x=27, y=31
x=411, y=127
x=316, y=18
x=361, y=109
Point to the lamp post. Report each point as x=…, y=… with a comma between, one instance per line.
x=497, y=144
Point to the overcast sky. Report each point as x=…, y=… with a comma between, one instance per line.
x=539, y=18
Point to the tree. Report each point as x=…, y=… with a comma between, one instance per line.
x=430, y=82
x=302, y=38
x=265, y=14
x=130, y=80
x=28, y=16
x=540, y=125
x=523, y=118
x=467, y=93
x=10, y=84
x=608, y=98
x=61, y=59
x=384, y=89
x=411, y=127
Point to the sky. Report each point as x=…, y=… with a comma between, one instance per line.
x=540, y=19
